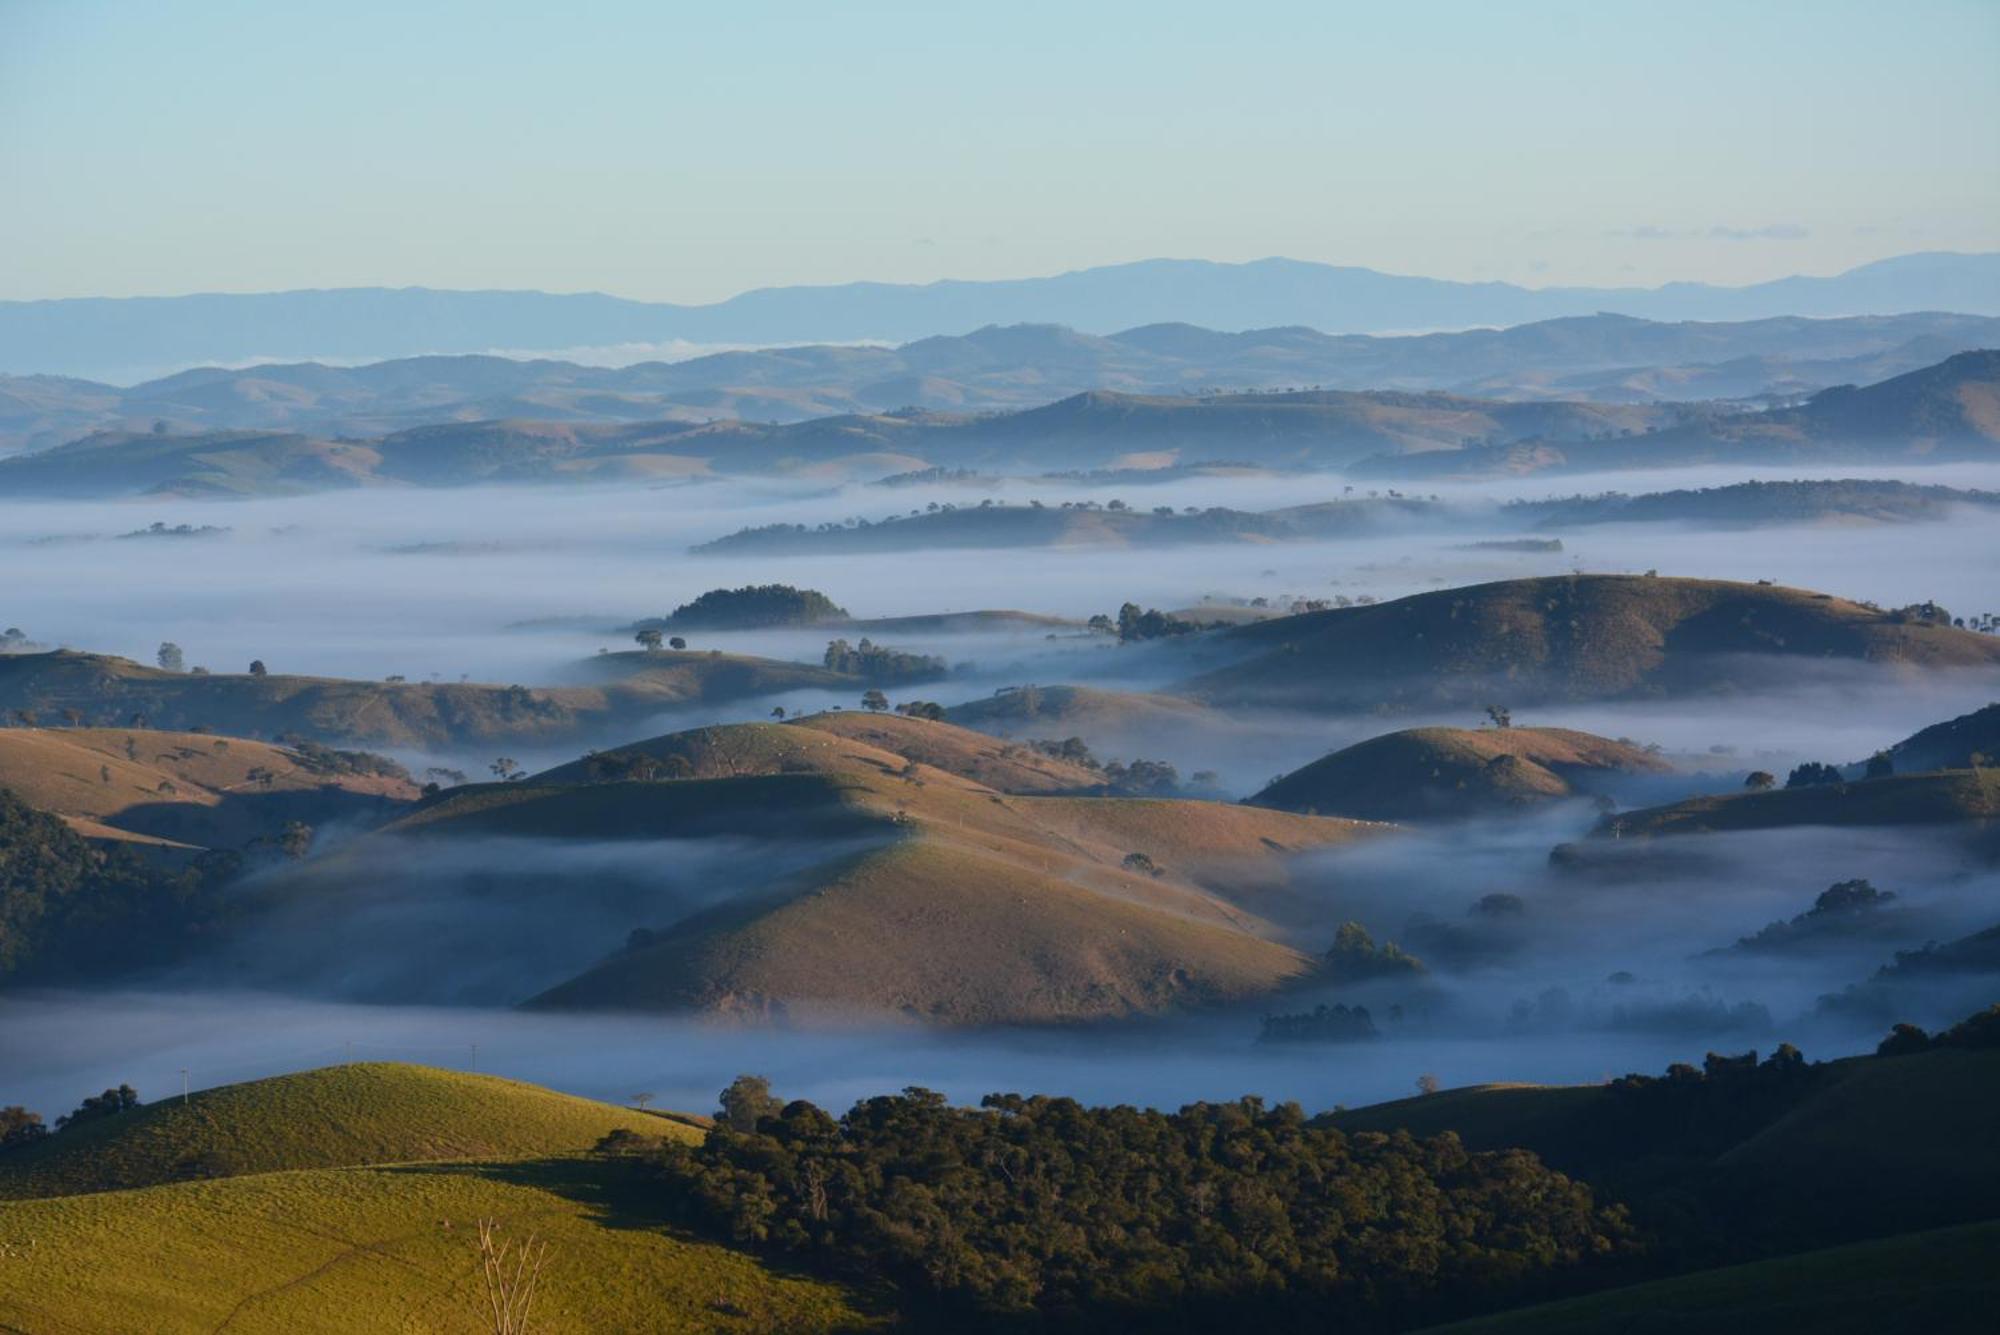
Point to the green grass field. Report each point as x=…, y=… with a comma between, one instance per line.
x=335, y=1117
x=379, y=1249
x=1940, y=1283
x=351, y=1202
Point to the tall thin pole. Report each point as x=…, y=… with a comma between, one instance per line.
x=184, y=1085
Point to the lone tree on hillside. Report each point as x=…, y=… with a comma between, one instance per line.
x=257, y=668
x=649, y=640
x=677, y=643
x=778, y=713
x=874, y=701
x=171, y=658
x=506, y=768
x=1760, y=779
x=1501, y=716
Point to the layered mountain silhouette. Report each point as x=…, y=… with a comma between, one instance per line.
x=135, y=337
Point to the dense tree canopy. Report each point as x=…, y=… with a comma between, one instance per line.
x=66, y=906
x=757, y=605
x=1043, y=1211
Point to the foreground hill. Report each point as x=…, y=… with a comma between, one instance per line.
x=334, y=1117
x=1942, y=1282
x=1444, y=772
x=1573, y=637
x=274, y=1237
x=954, y=893
x=192, y=788
x=331, y=1251
x=108, y=691
x=1937, y=798
x=1907, y=1131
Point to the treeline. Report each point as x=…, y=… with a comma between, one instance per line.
x=20, y=1127
x=879, y=663
x=1030, y=1213
x=1139, y=778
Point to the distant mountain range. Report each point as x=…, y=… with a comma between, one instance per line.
x=1950, y=411
x=135, y=338
x=1606, y=358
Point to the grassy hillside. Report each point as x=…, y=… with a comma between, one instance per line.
x=1572, y=637
x=341, y=1250
x=1945, y=797
x=1952, y=744
x=968, y=899
x=961, y=751
x=1433, y=772
x=1942, y=1282
x=334, y=1117
x=190, y=788
x=1087, y=711
x=110, y=692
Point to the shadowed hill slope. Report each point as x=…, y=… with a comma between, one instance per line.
x=1443, y=772
x=1936, y=798
x=191, y=788
x=1960, y=743
x=1941, y=1282
x=333, y=1117
x=1570, y=637
x=108, y=691
x=1909, y=1134
x=954, y=895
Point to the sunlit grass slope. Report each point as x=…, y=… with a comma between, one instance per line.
x=379, y=1249
x=365, y=1113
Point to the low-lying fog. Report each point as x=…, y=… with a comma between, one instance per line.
x=1592, y=977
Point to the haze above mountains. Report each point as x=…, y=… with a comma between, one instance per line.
x=129, y=339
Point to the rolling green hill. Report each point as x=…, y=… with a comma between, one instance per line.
x=272, y=1240
x=1571, y=637
x=334, y=1117
x=1443, y=772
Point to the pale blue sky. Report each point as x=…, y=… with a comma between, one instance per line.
x=690, y=151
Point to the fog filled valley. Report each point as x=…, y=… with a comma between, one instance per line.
x=823, y=670
x=1493, y=805
x=408, y=941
